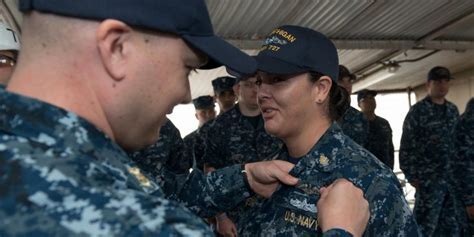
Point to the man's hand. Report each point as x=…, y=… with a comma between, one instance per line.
x=342, y=205
x=264, y=177
x=470, y=212
x=226, y=226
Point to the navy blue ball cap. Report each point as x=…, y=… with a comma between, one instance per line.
x=204, y=102
x=293, y=49
x=364, y=93
x=438, y=73
x=222, y=53
x=221, y=84
x=188, y=19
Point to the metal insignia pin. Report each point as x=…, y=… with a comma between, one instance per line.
x=144, y=181
x=323, y=160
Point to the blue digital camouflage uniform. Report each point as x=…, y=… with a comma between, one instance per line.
x=195, y=144
x=189, y=141
x=379, y=140
x=167, y=152
x=291, y=211
x=463, y=165
x=425, y=151
x=233, y=140
x=355, y=126
x=205, y=102
x=60, y=175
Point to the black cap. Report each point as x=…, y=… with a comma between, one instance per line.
x=344, y=72
x=204, y=102
x=188, y=19
x=221, y=84
x=294, y=49
x=364, y=93
x=438, y=73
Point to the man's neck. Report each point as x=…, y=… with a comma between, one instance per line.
x=201, y=124
x=438, y=100
x=69, y=93
x=249, y=112
x=369, y=115
x=223, y=110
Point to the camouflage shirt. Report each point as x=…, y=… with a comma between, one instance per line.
x=355, y=126
x=426, y=150
x=379, y=140
x=291, y=211
x=463, y=165
x=167, y=152
x=231, y=140
x=60, y=175
x=189, y=141
x=195, y=144
x=426, y=144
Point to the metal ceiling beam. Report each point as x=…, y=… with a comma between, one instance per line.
x=426, y=42
x=375, y=44
x=445, y=28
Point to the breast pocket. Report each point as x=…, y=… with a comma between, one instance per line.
x=434, y=131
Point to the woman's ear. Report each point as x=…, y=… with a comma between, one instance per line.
x=321, y=89
x=113, y=39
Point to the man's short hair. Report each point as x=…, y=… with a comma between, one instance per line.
x=204, y=102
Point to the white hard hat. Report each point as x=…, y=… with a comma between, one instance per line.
x=8, y=38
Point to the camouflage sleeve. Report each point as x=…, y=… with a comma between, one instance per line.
x=409, y=148
x=219, y=191
x=199, y=148
x=188, y=149
x=55, y=204
x=178, y=161
x=391, y=149
x=462, y=164
x=214, y=153
x=337, y=233
x=172, y=182
x=390, y=214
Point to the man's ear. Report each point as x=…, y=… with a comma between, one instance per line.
x=113, y=38
x=321, y=89
x=427, y=84
x=236, y=89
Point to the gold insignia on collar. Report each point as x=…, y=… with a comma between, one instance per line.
x=144, y=181
x=323, y=160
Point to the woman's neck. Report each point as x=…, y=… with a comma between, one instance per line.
x=301, y=143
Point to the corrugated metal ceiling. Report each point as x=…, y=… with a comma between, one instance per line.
x=339, y=19
x=396, y=25
x=367, y=32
